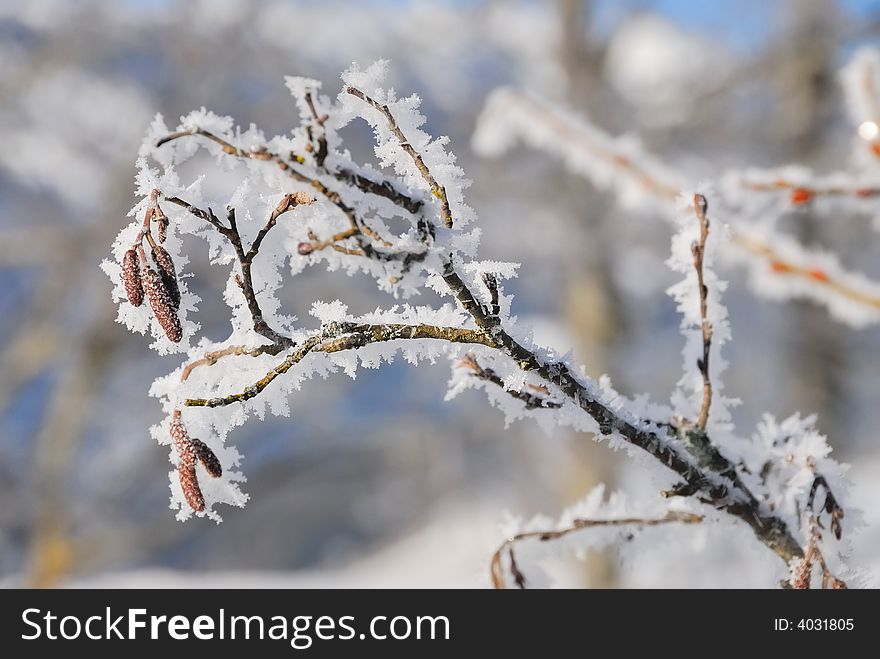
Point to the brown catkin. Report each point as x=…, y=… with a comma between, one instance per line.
x=160, y=301
x=163, y=261
x=207, y=457
x=186, y=465
x=189, y=483
x=131, y=277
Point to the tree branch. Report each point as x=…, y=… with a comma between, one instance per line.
x=497, y=569
x=336, y=337
x=664, y=188
x=530, y=400
x=690, y=454
x=212, y=357
x=245, y=260
x=436, y=189
x=360, y=230
x=287, y=203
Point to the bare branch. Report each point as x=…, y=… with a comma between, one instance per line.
x=497, y=569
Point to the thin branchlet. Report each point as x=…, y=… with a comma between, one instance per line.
x=496, y=567
x=437, y=190
x=698, y=249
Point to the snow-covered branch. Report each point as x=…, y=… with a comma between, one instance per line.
x=291, y=190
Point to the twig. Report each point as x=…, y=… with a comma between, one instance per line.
x=496, y=567
x=245, y=261
x=831, y=506
x=802, y=194
x=803, y=572
x=287, y=203
x=384, y=189
x=531, y=401
x=207, y=215
x=436, y=189
x=337, y=337
x=317, y=121
x=212, y=357
x=785, y=267
x=407, y=258
x=698, y=249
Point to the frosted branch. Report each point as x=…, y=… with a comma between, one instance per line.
x=499, y=580
x=338, y=209
x=781, y=267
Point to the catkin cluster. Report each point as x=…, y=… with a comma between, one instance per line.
x=190, y=451
x=159, y=284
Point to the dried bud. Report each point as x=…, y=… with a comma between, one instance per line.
x=166, y=271
x=131, y=277
x=801, y=196
x=206, y=456
x=819, y=275
x=304, y=249
x=160, y=301
x=780, y=266
x=162, y=223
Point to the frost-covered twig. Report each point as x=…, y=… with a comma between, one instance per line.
x=246, y=257
x=802, y=193
x=496, y=564
x=357, y=230
x=337, y=337
x=699, y=250
x=436, y=189
x=213, y=356
x=532, y=401
x=802, y=569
